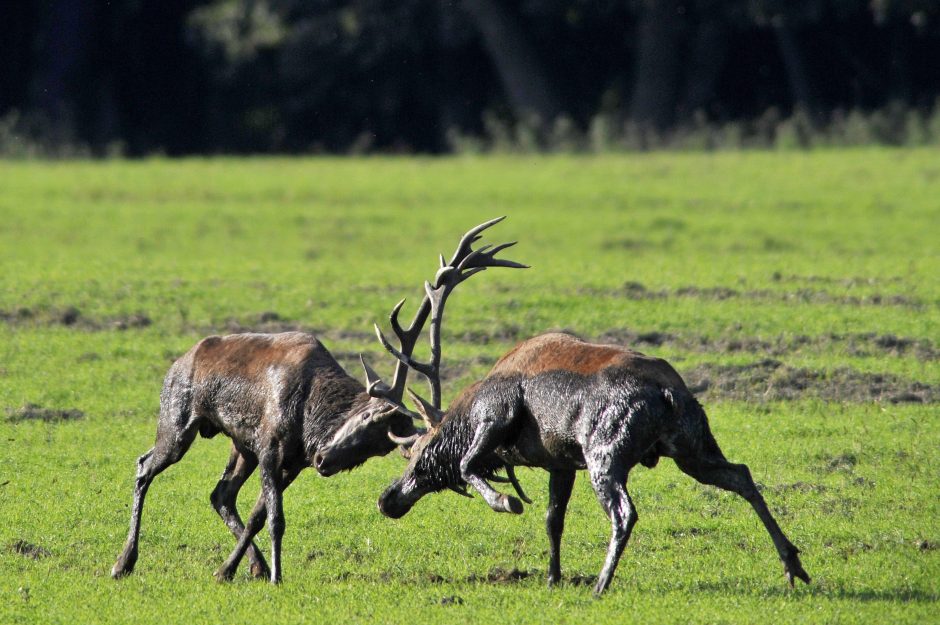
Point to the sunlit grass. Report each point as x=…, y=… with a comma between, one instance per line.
x=704, y=248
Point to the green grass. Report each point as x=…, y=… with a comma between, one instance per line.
x=822, y=245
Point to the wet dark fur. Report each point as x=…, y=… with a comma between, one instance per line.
x=280, y=398
x=439, y=465
x=561, y=404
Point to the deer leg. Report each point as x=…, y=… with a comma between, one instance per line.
x=255, y=522
x=485, y=441
x=560, y=484
x=169, y=448
x=272, y=487
x=224, y=496
x=609, y=485
x=715, y=470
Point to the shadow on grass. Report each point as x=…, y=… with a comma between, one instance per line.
x=826, y=591
x=496, y=576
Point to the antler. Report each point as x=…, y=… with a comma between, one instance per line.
x=465, y=263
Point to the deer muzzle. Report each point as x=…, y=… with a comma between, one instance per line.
x=394, y=503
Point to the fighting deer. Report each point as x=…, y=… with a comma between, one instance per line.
x=281, y=398
x=562, y=404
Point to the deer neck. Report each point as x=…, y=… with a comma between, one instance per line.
x=330, y=402
x=440, y=460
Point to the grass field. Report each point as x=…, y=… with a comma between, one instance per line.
x=799, y=293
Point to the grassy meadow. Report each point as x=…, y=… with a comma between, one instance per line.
x=798, y=293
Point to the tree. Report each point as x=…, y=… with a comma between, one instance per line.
x=528, y=87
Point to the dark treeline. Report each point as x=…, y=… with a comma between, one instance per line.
x=204, y=76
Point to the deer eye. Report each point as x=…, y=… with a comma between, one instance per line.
x=366, y=415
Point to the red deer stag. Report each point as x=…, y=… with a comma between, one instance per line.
x=280, y=398
x=562, y=404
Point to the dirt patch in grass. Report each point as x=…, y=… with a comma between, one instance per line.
x=270, y=322
x=771, y=380
x=637, y=291
x=800, y=487
x=28, y=550
x=33, y=412
x=72, y=317
x=498, y=575
x=267, y=322
x=859, y=345
x=689, y=532
x=580, y=580
x=846, y=282
x=498, y=334
x=764, y=380
x=844, y=462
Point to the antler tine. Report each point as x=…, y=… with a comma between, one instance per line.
x=471, y=237
x=486, y=257
x=402, y=357
x=374, y=384
x=431, y=414
x=404, y=441
x=393, y=318
x=407, y=338
x=375, y=387
x=500, y=262
x=466, y=274
x=501, y=247
x=468, y=260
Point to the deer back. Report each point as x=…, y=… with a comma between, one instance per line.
x=253, y=386
x=557, y=351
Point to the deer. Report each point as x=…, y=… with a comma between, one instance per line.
x=281, y=398
x=562, y=404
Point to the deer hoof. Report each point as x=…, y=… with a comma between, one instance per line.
x=793, y=568
x=508, y=503
x=224, y=575
x=123, y=567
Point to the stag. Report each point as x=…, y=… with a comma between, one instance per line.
x=562, y=404
x=281, y=398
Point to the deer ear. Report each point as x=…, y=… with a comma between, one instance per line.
x=431, y=415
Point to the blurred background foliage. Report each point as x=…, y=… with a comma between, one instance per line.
x=90, y=77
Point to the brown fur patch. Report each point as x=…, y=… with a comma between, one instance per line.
x=250, y=355
x=557, y=351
